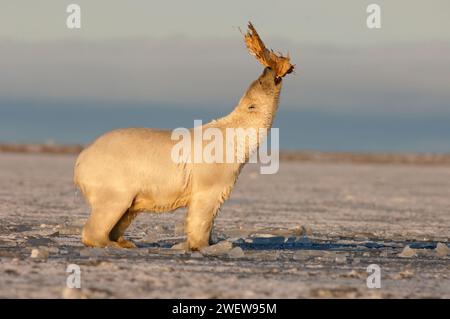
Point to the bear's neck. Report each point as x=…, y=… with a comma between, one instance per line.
x=258, y=121
x=259, y=118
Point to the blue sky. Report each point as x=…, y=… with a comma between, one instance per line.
x=354, y=88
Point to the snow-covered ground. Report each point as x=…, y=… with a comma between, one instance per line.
x=309, y=231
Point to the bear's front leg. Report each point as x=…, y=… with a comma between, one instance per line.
x=203, y=207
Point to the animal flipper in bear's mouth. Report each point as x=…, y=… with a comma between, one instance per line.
x=277, y=62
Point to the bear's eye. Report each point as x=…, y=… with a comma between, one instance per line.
x=251, y=107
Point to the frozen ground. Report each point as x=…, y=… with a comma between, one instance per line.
x=309, y=231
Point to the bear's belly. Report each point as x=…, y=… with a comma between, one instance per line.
x=158, y=203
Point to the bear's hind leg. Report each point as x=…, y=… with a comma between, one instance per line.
x=118, y=231
x=108, y=207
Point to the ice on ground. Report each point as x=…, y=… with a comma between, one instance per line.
x=220, y=248
x=408, y=252
x=236, y=252
x=442, y=250
x=39, y=253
